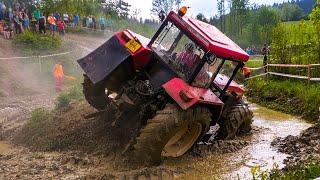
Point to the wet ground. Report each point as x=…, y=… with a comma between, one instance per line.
x=267, y=125
x=224, y=160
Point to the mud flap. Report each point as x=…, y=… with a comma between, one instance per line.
x=104, y=60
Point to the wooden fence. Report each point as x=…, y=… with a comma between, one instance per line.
x=267, y=72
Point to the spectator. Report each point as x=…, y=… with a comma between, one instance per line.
x=109, y=22
x=42, y=24
x=162, y=16
x=76, y=20
x=84, y=22
x=94, y=23
x=2, y=11
x=17, y=24
x=10, y=15
x=2, y=24
x=90, y=22
x=37, y=14
x=102, y=23
x=71, y=20
x=61, y=25
x=87, y=22
x=52, y=23
x=66, y=18
x=25, y=21
x=57, y=16
x=265, y=52
x=7, y=32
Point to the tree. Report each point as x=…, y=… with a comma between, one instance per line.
x=222, y=12
x=202, y=18
x=315, y=19
x=165, y=5
x=266, y=19
x=291, y=12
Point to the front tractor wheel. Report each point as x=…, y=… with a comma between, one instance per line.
x=171, y=133
x=237, y=121
x=95, y=94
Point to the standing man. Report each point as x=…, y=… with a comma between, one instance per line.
x=102, y=22
x=265, y=52
x=52, y=23
x=161, y=16
x=66, y=18
x=42, y=24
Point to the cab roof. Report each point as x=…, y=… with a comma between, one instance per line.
x=210, y=37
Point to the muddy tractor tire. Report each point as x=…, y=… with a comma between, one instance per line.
x=237, y=121
x=95, y=94
x=171, y=133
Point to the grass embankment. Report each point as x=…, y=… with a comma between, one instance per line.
x=31, y=43
x=291, y=97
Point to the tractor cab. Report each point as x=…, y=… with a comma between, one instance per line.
x=198, y=53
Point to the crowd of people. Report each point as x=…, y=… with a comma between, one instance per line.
x=16, y=20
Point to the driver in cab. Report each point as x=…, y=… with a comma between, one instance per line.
x=188, y=56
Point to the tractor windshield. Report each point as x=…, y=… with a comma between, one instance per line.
x=177, y=50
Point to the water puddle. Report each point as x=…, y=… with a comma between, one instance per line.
x=267, y=125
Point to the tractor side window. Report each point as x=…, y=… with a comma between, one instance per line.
x=225, y=73
x=207, y=73
x=180, y=52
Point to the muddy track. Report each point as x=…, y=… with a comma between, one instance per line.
x=221, y=160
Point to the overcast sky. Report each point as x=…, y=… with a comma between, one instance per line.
x=206, y=7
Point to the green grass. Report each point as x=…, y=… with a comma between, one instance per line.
x=307, y=170
x=291, y=97
x=255, y=62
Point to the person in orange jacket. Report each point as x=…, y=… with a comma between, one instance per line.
x=246, y=72
x=58, y=76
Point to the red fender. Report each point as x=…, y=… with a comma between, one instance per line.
x=186, y=95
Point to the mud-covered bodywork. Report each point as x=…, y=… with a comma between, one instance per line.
x=101, y=62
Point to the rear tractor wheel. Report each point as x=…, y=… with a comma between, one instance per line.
x=237, y=121
x=171, y=133
x=95, y=94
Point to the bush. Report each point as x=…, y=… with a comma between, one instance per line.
x=291, y=97
x=40, y=114
x=32, y=42
x=63, y=100
x=73, y=94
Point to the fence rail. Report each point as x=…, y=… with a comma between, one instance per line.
x=267, y=71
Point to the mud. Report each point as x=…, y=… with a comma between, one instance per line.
x=93, y=153
x=301, y=148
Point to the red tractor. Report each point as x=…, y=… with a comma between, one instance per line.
x=176, y=85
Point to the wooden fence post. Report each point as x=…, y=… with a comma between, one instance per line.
x=309, y=73
x=267, y=70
